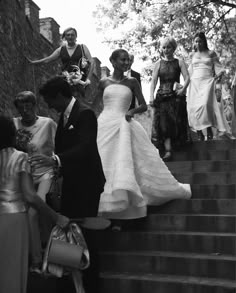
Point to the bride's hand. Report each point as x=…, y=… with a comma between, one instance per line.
x=129, y=115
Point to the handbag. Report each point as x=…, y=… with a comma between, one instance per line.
x=84, y=63
x=53, y=197
x=66, y=250
x=65, y=254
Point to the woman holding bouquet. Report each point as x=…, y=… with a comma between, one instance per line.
x=76, y=62
x=170, y=122
x=35, y=134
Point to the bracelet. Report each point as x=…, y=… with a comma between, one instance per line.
x=55, y=160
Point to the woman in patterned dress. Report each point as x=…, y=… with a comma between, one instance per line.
x=170, y=122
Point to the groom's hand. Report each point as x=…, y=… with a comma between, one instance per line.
x=40, y=160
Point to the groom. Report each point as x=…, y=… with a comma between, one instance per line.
x=78, y=158
x=76, y=151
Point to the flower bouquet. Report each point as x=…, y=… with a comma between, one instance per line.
x=74, y=77
x=23, y=137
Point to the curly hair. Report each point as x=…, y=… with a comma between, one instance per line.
x=55, y=85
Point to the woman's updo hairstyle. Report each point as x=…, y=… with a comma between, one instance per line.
x=171, y=41
x=67, y=30
x=115, y=54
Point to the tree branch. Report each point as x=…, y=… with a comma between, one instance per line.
x=222, y=17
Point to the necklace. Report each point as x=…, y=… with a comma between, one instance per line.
x=117, y=80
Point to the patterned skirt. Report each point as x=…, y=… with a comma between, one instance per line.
x=170, y=119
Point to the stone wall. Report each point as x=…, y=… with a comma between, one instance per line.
x=20, y=37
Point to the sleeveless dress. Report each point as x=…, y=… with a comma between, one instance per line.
x=135, y=174
x=14, y=226
x=203, y=109
x=170, y=112
x=67, y=65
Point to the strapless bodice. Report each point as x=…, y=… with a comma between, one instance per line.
x=202, y=68
x=116, y=99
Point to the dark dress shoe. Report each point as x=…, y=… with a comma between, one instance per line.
x=209, y=134
x=167, y=157
x=200, y=135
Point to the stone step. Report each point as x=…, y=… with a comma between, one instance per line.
x=212, y=243
x=171, y=263
x=151, y=283
x=202, y=166
x=198, y=155
x=210, y=145
x=196, y=206
x=206, y=178
x=186, y=222
x=206, y=191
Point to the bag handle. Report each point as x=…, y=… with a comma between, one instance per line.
x=82, y=49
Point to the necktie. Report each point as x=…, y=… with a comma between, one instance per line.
x=65, y=119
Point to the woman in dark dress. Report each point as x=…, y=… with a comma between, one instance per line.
x=72, y=56
x=170, y=124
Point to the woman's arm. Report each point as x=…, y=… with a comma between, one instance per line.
x=54, y=56
x=190, y=66
x=186, y=77
x=154, y=80
x=141, y=101
x=218, y=68
x=36, y=202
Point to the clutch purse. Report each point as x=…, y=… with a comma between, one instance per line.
x=65, y=254
x=53, y=197
x=66, y=251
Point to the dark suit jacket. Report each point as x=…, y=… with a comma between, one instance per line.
x=83, y=177
x=136, y=75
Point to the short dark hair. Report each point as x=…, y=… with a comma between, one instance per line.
x=25, y=97
x=55, y=85
x=115, y=54
x=8, y=132
x=67, y=30
x=201, y=36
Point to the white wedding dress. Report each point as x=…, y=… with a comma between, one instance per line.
x=135, y=174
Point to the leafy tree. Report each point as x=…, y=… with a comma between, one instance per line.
x=138, y=26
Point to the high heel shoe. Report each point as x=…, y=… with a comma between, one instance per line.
x=167, y=157
x=200, y=135
x=209, y=134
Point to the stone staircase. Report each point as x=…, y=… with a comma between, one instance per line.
x=184, y=246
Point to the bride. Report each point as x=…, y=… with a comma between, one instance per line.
x=135, y=174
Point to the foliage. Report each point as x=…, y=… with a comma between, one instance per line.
x=139, y=25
